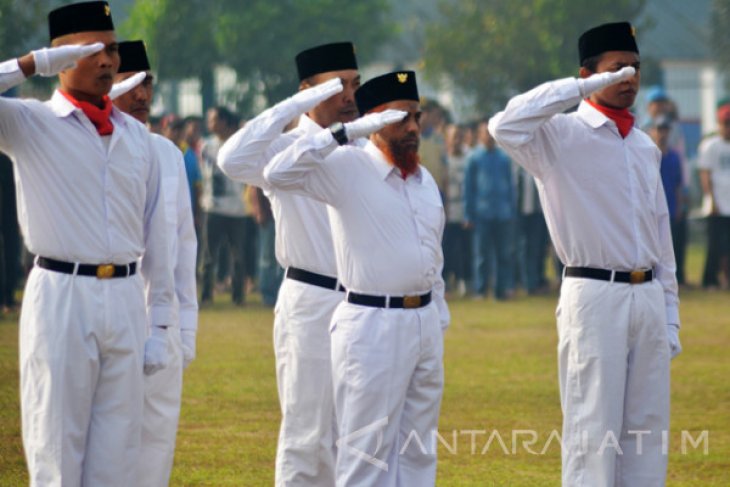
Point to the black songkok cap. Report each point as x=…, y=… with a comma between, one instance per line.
x=328, y=57
x=398, y=85
x=134, y=57
x=80, y=17
x=619, y=36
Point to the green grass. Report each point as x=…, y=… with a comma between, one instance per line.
x=501, y=375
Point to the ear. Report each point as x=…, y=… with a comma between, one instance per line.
x=584, y=72
x=304, y=85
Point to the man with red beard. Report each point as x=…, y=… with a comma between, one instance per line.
x=163, y=390
x=599, y=183
x=90, y=206
x=387, y=335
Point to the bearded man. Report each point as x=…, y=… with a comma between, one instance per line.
x=387, y=335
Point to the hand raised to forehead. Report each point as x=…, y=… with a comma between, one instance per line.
x=372, y=122
x=50, y=61
x=599, y=81
x=118, y=89
x=305, y=100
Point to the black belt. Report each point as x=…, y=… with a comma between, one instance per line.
x=633, y=277
x=314, y=279
x=390, y=301
x=101, y=271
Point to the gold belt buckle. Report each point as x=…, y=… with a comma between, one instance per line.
x=637, y=277
x=105, y=271
x=412, y=301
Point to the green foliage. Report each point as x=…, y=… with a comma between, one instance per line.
x=493, y=48
x=720, y=34
x=257, y=38
x=23, y=26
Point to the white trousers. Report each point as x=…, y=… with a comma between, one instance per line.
x=162, y=396
x=387, y=367
x=613, y=358
x=305, y=453
x=81, y=356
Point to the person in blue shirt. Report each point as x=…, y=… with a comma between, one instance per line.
x=671, y=173
x=489, y=207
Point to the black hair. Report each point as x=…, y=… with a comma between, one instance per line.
x=228, y=117
x=591, y=63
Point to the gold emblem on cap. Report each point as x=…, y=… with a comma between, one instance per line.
x=107, y=10
x=402, y=77
x=633, y=31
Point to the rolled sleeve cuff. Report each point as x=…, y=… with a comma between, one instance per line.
x=188, y=319
x=162, y=316
x=673, y=316
x=10, y=74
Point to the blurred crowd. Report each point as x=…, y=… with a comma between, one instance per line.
x=495, y=242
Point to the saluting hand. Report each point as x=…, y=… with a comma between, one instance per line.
x=305, y=100
x=50, y=61
x=599, y=81
x=118, y=89
x=372, y=122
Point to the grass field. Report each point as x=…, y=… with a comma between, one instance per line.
x=501, y=376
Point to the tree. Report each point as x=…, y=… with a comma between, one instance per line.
x=257, y=38
x=492, y=49
x=720, y=34
x=23, y=26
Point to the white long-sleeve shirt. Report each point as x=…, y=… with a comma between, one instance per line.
x=182, y=241
x=601, y=194
x=386, y=231
x=303, y=234
x=83, y=198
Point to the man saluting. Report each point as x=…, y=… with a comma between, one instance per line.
x=618, y=320
x=90, y=207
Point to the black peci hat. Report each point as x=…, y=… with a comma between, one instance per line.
x=398, y=85
x=80, y=17
x=618, y=36
x=134, y=57
x=324, y=58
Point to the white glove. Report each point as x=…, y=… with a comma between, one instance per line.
x=50, y=61
x=675, y=348
x=305, y=100
x=188, y=346
x=155, y=351
x=598, y=81
x=118, y=89
x=372, y=122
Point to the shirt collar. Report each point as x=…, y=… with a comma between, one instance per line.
x=383, y=167
x=62, y=107
x=592, y=117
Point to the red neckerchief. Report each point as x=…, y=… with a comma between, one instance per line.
x=100, y=117
x=623, y=119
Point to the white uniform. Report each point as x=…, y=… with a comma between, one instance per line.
x=605, y=208
x=386, y=363
x=715, y=158
x=306, y=447
x=163, y=390
x=84, y=199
